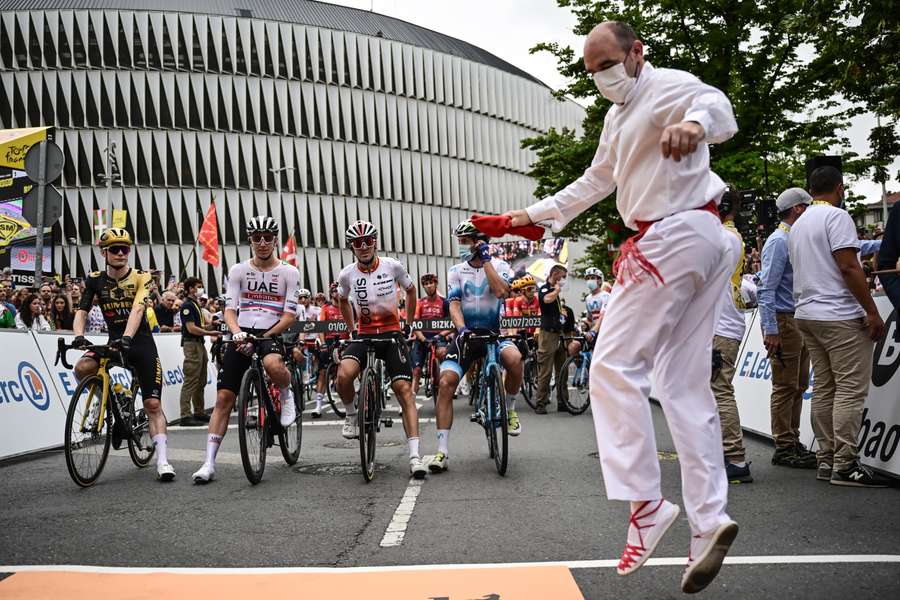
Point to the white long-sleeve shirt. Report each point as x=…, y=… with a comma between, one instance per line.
x=629, y=158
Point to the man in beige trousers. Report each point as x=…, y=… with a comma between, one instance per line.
x=839, y=322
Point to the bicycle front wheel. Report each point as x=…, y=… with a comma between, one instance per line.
x=140, y=444
x=252, y=419
x=87, y=438
x=333, y=398
x=529, y=381
x=291, y=438
x=572, y=389
x=498, y=421
x=367, y=421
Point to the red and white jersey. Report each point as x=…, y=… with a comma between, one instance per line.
x=262, y=297
x=375, y=293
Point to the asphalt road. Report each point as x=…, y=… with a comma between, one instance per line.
x=550, y=507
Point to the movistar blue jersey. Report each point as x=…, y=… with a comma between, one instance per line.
x=469, y=286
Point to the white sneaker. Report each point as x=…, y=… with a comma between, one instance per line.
x=350, y=430
x=438, y=463
x=165, y=472
x=288, y=412
x=204, y=474
x=317, y=411
x=708, y=550
x=646, y=527
x=417, y=468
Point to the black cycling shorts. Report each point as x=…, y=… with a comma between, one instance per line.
x=393, y=351
x=143, y=359
x=327, y=353
x=235, y=364
x=419, y=351
x=459, y=359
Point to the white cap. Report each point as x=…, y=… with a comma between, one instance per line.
x=792, y=197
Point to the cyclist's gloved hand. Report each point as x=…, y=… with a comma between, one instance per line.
x=80, y=342
x=590, y=336
x=407, y=329
x=461, y=335
x=125, y=343
x=240, y=336
x=484, y=252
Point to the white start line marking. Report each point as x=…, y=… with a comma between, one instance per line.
x=396, y=529
x=577, y=564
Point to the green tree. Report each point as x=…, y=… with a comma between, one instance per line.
x=750, y=49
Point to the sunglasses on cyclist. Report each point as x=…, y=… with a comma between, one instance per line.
x=530, y=288
x=123, y=250
x=257, y=238
x=361, y=243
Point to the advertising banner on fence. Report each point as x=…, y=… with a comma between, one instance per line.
x=879, y=437
x=32, y=415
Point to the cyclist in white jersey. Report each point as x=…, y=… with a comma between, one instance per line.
x=373, y=281
x=595, y=302
x=476, y=288
x=260, y=301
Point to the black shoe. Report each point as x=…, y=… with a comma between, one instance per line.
x=202, y=417
x=540, y=410
x=805, y=458
x=191, y=421
x=858, y=476
x=784, y=457
x=118, y=436
x=823, y=473
x=562, y=408
x=738, y=474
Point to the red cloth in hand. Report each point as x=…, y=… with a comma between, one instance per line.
x=500, y=225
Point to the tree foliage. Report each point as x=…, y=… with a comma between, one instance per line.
x=770, y=58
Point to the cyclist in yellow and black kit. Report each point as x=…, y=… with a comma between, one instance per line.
x=122, y=294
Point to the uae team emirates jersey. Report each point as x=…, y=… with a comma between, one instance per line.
x=262, y=297
x=375, y=294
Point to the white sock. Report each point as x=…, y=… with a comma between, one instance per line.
x=212, y=447
x=413, y=443
x=287, y=394
x=160, y=439
x=320, y=397
x=443, y=438
x=510, y=402
x=350, y=409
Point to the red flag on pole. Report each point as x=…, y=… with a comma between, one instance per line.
x=209, y=236
x=289, y=252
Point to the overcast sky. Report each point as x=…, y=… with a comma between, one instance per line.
x=508, y=28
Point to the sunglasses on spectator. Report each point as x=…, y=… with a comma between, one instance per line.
x=123, y=250
x=257, y=238
x=360, y=243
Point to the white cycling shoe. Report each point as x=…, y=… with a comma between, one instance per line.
x=350, y=430
x=165, y=472
x=204, y=474
x=288, y=412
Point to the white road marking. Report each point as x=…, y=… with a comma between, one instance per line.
x=578, y=564
x=396, y=529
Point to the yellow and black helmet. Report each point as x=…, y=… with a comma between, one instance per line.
x=115, y=236
x=526, y=281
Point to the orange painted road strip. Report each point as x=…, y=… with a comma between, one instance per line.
x=526, y=583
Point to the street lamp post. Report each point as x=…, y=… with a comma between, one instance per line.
x=72, y=271
x=277, y=171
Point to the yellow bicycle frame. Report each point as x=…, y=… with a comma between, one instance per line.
x=103, y=372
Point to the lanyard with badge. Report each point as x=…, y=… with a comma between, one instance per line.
x=784, y=227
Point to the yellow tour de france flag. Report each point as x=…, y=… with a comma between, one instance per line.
x=14, y=144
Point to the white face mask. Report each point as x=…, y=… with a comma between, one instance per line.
x=614, y=83
x=200, y=292
x=562, y=283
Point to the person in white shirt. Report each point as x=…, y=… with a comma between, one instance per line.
x=839, y=321
x=31, y=316
x=726, y=344
x=653, y=152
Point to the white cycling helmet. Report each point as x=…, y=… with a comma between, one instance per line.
x=593, y=272
x=304, y=293
x=262, y=224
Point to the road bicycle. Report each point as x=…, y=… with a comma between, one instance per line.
x=103, y=413
x=370, y=399
x=489, y=401
x=259, y=409
x=572, y=390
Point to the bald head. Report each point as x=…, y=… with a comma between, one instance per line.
x=612, y=42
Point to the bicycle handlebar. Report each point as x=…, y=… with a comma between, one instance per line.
x=62, y=348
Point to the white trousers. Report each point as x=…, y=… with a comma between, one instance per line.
x=667, y=329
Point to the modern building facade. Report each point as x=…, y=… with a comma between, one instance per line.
x=314, y=113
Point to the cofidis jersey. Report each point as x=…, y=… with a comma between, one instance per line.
x=375, y=293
